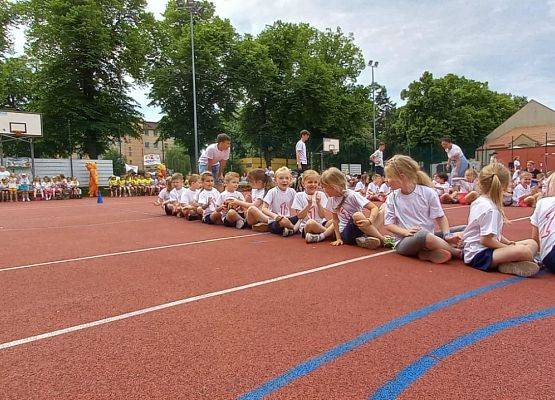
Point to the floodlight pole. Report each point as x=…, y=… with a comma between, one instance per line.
x=373, y=64
x=193, y=8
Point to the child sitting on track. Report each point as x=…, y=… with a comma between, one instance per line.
x=172, y=207
x=373, y=191
x=164, y=195
x=232, y=213
x=276, y=211
x=543, y=222
x=260, y=183
x=350, y=225
x=523, y=194
x=466, y=189
x=207, y=200
x=188, y=200
x=361, y=185
x=411, y=211
x=485, y=247
x=309, y=207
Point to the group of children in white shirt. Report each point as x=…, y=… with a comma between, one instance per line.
x=327, y=209
x=20, y=188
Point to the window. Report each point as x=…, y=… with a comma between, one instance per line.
x=155, y=145
x=151, y=132
x=147, y=145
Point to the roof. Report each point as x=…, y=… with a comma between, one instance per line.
x=529, y=136
x=531, y=115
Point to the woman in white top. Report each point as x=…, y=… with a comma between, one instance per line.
x=456, y=160
x=543, y=221
x=485, y=247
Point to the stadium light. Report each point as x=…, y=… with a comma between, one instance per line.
x=373, y=64
x=194, y=9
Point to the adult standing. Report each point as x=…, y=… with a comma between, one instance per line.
x=215, y=157
x=377, y=159
x=531, y=167
x=493, y=158
x=456, y=161
x=300, y=151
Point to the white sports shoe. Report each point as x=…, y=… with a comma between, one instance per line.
x=287, y=232
x=240, y=224
x=312, y=238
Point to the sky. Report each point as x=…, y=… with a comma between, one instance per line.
x=510, y=44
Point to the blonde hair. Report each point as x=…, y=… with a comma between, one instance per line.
x=334, y=178
x=283, y=170
x=404, y=165
x=492, y=182
x=193, y=178
x=525, y=174
x=205, y=175
x=231, y=175
x=169, y=185
x=310, y=173
x=258, y=174
x=177, y=176
x=472, y=171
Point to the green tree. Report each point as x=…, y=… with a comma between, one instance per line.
x=6, y=18
x=178, y=160
x=16, y=83
x=86, y=54
x=171, y=74
x=118, y=161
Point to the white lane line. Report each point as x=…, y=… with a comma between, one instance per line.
x=186, y=300
x=79, y=225
x=119, y=253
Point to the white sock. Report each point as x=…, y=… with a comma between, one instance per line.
x=321, y=236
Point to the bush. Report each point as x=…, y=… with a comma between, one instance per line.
x=117, y=159
x=177, y=160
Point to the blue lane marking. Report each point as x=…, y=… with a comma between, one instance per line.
x=392, y=389
x=335, y=352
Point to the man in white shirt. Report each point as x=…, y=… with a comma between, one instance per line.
x=215, y=157
x=377, y=159
x=456, y=161
x=300, y=151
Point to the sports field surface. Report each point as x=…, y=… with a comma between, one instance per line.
x=117, y=301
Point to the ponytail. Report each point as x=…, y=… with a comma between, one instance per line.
x=423, y=179
x=496, y=195
x=492, y=181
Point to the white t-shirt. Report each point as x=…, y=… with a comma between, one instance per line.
x=4, y=175
x=164, y=195
x=484, y=219
x=301, y=201
x=516, y=164
x=442, y=187
x=466, y=187
x=372, y=189
x=229, y=195
x=360, y=186
x=175, y=195
x=385, y=189
x=417, y=209
x=454, y=151
x=544, y=219
x=301, y=147
x=257, y=194
x=280, y=201
x=516, y=176
x=212, y=152
x=354, y=202
x=208, y=197
x=188, y=196
x=520, y=191
x=378, y=157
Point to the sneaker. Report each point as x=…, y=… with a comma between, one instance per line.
x=439, y=256
x=368, y=242
x=240, y=224
x=521, y=268
x=287, y=232
x=260, y=227
x=312, y=238
x=193, y=217
x=389, y=242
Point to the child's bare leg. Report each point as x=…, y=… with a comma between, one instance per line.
x=530, y=201
x=255, y=215
x=434, y=243
x=367, y=230
x=313, y=227
x=216, y=218
x=232, y=216
x=470, y=197
x=445, y=198
x=286, y=223
x=521, y=251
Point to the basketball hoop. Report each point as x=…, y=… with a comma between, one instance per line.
x=18, y=134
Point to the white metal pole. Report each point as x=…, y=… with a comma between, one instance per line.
x=195, y=122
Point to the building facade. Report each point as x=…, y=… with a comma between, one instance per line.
x=135, y=149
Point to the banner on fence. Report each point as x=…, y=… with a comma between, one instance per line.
x=152, y=160
x=18, y=162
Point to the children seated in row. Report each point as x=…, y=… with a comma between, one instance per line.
x=485, y=247
x=523, y=194
x=543, y=223
x=378, y=189
x=411, y=212
x=464, y=190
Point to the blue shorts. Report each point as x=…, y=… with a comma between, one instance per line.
x=215, y=169
x=549, y=260
x=482, y=260
x=351, y=232
x=275, y=227
x=206, y=219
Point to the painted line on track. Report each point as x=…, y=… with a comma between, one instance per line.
x=78, y=226
x=186, y=300
x=119, y=253
x=312, y=364
x=392, y=389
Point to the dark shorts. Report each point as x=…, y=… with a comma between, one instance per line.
x=274, y=226
x=379, y=170
x=549, y=260
x=482, y=260
x=168, y=208
x=231, y=224
x=206, y=219
x=351, y=232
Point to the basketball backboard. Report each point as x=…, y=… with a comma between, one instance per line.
x=331, y=145
x=15, y=123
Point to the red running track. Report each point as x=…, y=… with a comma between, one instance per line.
x=223, y=346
